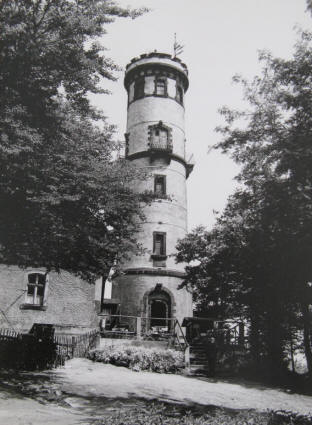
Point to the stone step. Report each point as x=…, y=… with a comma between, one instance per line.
x=199, y=361
x=198, y=370
x=201, y=354
x=202, y=358
x=197, y=349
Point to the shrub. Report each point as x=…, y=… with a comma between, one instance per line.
x=282, y=417
x=140, y=358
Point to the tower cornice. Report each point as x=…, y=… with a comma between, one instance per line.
x=153, y=63
x=143, y=154
x=154, y=272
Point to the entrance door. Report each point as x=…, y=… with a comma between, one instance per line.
x=159, y=313
x=159, y=309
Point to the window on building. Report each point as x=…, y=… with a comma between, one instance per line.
x=159, y=247
x=139, y=88
x=159, y=138
x=179, y=94
x=161, y=87
x=160, y=185
x=36, y=288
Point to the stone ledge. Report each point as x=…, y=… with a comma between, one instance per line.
x=143, y=154
x=154, y=271
x=33, y=307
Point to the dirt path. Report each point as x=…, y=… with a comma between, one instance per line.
x=16, y=410
x=96, y=379
x=92, y=390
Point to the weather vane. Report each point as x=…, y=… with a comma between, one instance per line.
x=177, y=48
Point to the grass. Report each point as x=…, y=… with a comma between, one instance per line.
x=163, y=414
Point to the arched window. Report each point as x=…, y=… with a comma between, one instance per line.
x=36, y=287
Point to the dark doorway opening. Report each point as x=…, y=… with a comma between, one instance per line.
x=159, y=313
x=159, y=308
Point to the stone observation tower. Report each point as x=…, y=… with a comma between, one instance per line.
x=155, y=141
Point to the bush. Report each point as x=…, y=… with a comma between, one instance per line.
x=140, y=358
x=282, y=417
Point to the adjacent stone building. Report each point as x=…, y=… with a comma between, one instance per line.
x=30, y=296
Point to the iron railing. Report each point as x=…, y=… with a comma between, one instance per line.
x=134, y=327
x=160, y=146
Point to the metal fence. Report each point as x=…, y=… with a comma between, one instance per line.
x=70, y=346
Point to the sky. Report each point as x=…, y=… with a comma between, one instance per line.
x=221, y=38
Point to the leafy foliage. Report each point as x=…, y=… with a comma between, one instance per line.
x=256, y=262
x=140, y=358
x=66, y=203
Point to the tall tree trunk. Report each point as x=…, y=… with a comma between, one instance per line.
x=292, y=358
x=254, y=336
x=275, y=338
x=307, y=329
x=275, y=350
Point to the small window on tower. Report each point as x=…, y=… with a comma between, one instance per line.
x=160, y=185
x=159, y=245
x=179, y=95
x=159, y=138
x=161, y=87
x=139, y=88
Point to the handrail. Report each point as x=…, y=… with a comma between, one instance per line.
x=185, y=341
x=176, y=336
x=175, y=331
x=118, y=315
x=136, y=317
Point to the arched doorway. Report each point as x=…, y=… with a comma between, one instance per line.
x=159, y=306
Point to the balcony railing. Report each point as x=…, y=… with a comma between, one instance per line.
x=160, y=146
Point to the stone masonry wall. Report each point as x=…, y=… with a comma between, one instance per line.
x=132, y=288
x=69, y=301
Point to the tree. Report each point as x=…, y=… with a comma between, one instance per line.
x=261, y=246
x=65, y=202
x=276, y=145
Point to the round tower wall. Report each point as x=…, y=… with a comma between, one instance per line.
x=133, y=289
x=149, y=111
x=175, y=178
x=174, y=231
x=155, y=138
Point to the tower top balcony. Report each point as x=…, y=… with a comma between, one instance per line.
x=153, y=63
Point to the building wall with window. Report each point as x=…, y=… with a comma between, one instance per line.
x=166, y=214
x=133, y=291
x=143, y=113
x=29, y=296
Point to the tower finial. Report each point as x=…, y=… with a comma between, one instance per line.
x=177, y=48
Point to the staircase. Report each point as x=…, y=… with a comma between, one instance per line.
x=197, y=362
